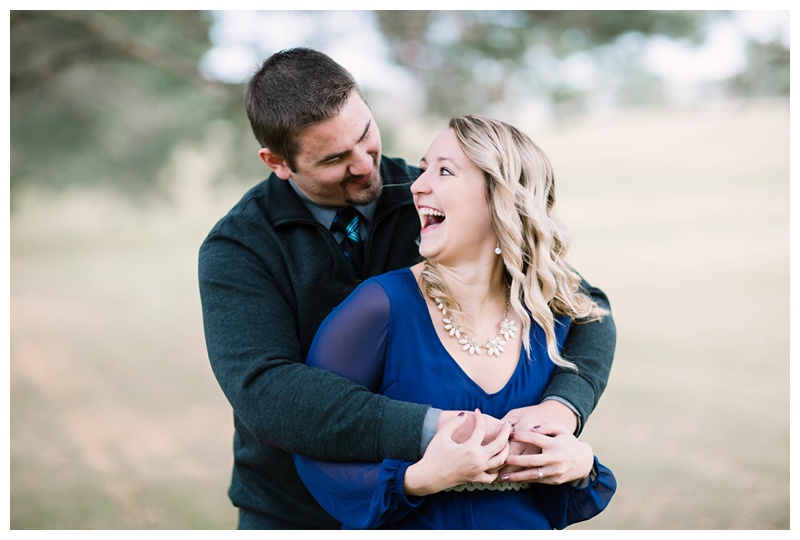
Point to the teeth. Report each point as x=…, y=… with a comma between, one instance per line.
x=431, y=212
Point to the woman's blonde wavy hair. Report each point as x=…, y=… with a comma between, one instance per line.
x=520, y=191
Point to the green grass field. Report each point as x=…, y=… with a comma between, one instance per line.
x=682, y=217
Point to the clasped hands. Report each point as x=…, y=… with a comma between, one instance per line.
x=475, y=447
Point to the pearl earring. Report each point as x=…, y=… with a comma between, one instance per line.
x=497, y=250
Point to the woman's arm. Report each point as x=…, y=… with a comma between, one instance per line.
x=359, y=495
x=570, y=503
x=351, y=342
x=573, y=486
x=369, y=495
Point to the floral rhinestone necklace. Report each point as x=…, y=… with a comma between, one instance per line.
x=494, y=346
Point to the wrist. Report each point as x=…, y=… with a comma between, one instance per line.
x=559, y=413
x=445, y=416
x=415, y=481
x=589, y=477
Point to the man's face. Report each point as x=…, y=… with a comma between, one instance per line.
x=338, y=162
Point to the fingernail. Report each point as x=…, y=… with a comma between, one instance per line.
x=462, y=413
x=537, y=428
x=505, y=478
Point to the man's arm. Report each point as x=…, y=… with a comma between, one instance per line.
x=590, y=345
x=255, y=354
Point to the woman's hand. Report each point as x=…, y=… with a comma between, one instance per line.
x=447, y=463
x=562, y=459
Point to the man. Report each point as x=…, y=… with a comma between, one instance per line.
x=271, y=270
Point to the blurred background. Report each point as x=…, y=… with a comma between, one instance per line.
x=669, y=135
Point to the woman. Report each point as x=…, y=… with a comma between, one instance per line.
x=476, y=326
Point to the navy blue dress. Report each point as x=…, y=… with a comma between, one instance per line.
x=382, y=337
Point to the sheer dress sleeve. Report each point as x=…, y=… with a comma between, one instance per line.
x=567, y=504
x=351, y=342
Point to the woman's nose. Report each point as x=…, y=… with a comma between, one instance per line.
x=420, y=185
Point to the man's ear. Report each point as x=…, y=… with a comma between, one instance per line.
x=276, y=163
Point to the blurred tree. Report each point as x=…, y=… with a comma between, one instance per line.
x=502, y=56
x=104, y=97
x=767, y=72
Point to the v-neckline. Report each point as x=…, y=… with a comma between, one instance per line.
x=432, y=330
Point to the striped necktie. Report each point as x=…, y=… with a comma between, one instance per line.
x=346, y=222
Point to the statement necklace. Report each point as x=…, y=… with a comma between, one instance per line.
x=494, y=346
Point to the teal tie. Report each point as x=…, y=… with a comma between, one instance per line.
x=346, y=222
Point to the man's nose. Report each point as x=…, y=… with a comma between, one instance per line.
x=363, y=162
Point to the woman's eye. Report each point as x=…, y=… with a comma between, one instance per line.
x=444, y=171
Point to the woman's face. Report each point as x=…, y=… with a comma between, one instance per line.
x=450, y=196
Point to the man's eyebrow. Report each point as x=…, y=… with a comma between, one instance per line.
x=331, y=157
x=366, y=130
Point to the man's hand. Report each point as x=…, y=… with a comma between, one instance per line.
x=464, y=431
x=550, y=412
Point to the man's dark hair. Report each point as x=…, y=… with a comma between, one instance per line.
x=294, y=89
